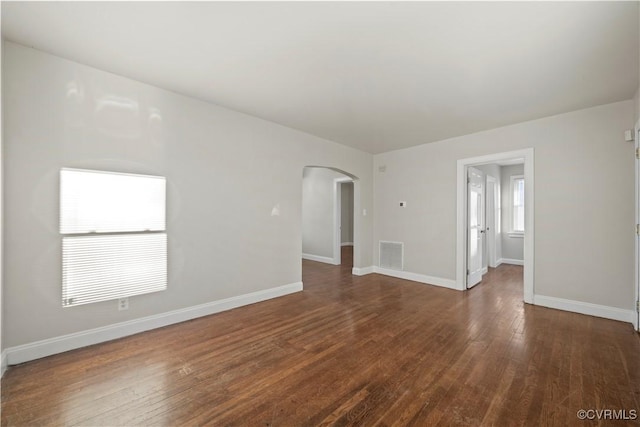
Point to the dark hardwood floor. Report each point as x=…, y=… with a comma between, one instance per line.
x=368, y=350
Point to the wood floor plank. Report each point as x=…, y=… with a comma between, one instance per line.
x=348, y=350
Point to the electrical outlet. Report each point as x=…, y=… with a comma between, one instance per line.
x=123, y=304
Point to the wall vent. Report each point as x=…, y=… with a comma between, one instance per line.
x=392, y=255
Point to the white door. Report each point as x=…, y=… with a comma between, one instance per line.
x=475, y=225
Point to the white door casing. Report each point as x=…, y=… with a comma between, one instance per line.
x=337, y=218
x=475, y=231
x=491, y=210
x=636, y=317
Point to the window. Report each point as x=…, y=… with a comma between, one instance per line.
x=114, y=243
x=517, y=204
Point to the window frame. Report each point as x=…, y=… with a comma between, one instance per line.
x=75, y=233
x=513, y=232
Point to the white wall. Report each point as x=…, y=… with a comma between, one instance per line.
x=346, y=205
x=225, y=173
x=512, y=246
x=318, y=211
x=583, y=202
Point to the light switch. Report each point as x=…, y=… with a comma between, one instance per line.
x=628, y=135
x=403, y=204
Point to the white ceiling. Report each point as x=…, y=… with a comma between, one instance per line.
x=377, y=76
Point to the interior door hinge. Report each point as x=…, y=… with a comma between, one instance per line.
x=637, y=229
x=638, y=153
x=467, y=271
x=638, y=306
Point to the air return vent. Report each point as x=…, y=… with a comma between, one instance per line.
x=391, y=255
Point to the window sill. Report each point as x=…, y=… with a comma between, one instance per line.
x=516, y=234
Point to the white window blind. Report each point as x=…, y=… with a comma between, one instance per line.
x=96, y=201
x=99, y=267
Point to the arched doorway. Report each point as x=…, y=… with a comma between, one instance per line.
x=330, y=228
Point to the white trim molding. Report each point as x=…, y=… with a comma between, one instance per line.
x=415, y=277
x=319, y=258
x=636, y=270
x=510, y=261
x=48, y=347
x=3, y=363
x=361, y=271
x=587, y=308
x=346, y=244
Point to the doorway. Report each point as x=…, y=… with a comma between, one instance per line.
x=463, y=262
x=329, y=224
x=344, y=221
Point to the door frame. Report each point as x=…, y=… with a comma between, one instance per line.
x=337, y=218
x=529, y=236
x=636, y=270
x=490, y=234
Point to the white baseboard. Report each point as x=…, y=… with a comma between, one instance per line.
x=597, y=310
x=38, y=349
x=510, y=261
x=347, y=244
x=3, y=363
x=430, y=280
x=318, y=258
x=485, y=270
x=361, y=271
